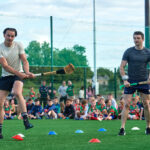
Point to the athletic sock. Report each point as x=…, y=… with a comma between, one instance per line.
x=1, y=128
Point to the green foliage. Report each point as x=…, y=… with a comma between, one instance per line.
x=104, y=71
x=40, y=54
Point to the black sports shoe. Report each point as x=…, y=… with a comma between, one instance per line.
x=122, y=132
x=28, y=126
x=147, y=131
x=1, y=136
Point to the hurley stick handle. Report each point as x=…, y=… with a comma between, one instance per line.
x=49, y=73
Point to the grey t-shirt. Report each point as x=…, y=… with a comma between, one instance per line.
x=137, y=63
x=12, y=56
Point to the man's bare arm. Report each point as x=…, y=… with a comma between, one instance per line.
x=8, y=68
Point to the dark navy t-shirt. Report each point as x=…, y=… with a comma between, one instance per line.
x=137, y=63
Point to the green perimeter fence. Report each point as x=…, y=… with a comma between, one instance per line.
x=109, y=80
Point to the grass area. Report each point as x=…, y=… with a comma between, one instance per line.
x=38, y=138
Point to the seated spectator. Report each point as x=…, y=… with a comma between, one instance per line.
x=120, y=107
x=36, y=111
x=57, y=107
x=134, y=110
x=141, y=108
x=69, y=112
x=49, y=110
x=30, y=105
x=113, y=101
x=13, y=108
x=111, y=111
x=7, y=110
x=102, y=107
x=77, y=105
x=93, y=112
x=83, y=114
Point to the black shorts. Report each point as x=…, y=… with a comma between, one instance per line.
x=6, y=83
x=143, y=88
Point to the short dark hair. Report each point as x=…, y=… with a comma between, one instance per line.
x=70, y=100
x=139, y=33
x=36, y=100
x=10, y=29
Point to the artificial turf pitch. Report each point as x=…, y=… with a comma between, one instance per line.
x=37, y=138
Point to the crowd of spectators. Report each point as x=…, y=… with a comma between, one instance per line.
x=65, y=105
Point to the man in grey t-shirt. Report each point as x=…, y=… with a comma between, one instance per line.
x=137, y=58
x=12, y=56
x=62, y=92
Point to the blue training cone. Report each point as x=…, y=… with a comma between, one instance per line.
x=79, y=131
x=102, y=130
x=52, y=133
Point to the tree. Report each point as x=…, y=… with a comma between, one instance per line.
x=104, y=71
x=40, y=54
x=33, y=52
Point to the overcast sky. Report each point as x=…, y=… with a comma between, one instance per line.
x=116, y=20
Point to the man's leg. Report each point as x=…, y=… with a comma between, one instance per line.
x=146, y=101
x=125, y=111
x=17, y=91
x=3, y=95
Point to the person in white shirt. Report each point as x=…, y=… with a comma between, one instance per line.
x=12, y=56
x=113, y=101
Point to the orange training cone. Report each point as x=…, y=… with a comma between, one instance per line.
x=94, y=141
x=17, y=137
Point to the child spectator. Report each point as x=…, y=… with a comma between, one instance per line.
x=77, y=108
x=120, y=107
x=102, y=107
x=77, y=105
x=32, y=93
x=111, y=110
x=113, y=101
x=93, y=112
x=13, y=108
x=69, y=112
x=57, y=107
x=134, y=110
x=49, y=110
x=7, y=110
x=29, y=105
x=36, y=111
x=84, y=110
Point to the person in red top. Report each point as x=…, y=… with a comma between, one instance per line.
x=77, y=105
x=134, y=110
x=32, y=93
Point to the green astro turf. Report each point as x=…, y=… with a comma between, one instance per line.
x=66, y=138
